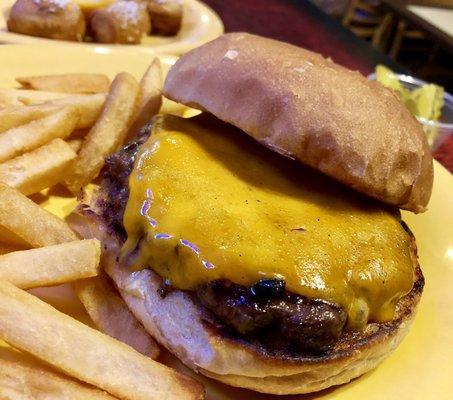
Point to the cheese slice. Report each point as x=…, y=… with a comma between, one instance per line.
x=207, y=202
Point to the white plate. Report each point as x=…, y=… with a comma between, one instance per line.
x=200, y=25
x=421, y=368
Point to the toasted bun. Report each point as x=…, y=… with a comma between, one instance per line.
x=309, y=108
x=176, y=323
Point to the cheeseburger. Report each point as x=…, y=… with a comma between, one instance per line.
x=261, y=241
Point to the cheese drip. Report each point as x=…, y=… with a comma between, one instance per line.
x=206, y=202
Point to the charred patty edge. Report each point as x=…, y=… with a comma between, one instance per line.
x=349, y=341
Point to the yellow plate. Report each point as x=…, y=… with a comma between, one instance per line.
x=200, y=25
x=421, y=368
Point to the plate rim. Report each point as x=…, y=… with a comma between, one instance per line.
x=215, y=29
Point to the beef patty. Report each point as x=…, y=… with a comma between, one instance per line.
x=265, y=313
x=268, y=314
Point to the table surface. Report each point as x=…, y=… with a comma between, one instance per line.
x=303, y=24
x=439, y=17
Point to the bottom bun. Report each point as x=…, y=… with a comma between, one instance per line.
x=176, y=322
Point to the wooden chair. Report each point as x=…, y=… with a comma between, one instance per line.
x=361, y=12
x=404, y=31
x=365, y=20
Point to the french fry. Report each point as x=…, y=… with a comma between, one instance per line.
x=14, y=116
x=107, y=134
x=8, y=99
x=32, y=325
x=181, y=110
x=11, y=239
x=105, y=305
x=22, y=380
x=75, y=144
x=51, y=265
x=28, y=222
x=89, y=107
x=18, y=97
x=67, y=83
x=28, y=137
x=150, y=96
x=39, y=169
x=8, y=248
x=110, y=314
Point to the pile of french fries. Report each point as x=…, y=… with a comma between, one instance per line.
x=57, y=130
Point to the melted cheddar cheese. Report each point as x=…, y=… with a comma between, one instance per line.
x=209, y=203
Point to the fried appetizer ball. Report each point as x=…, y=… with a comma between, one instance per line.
x=166, y=16
x=122, y=22
x=54, y=19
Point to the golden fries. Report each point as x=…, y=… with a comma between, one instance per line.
x=31, y=325
x=60, y=133
x=88, y=106
x=28, y=137
x=8, y=248
x=111, y=315
x=67, y=83
x=18, y=97
x=39, y=169
x=12, y=117
x=11, y=239
x=51, y=265
x=8, y=99
x=75, y=144
x=150, y=96
x=22, y=380
x=107, y=134
x=22, y=219
x=105, y=305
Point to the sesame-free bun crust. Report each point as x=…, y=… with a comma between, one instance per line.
x=309, y=108
x=176, y=322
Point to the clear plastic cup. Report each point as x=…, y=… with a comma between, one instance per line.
x=436, y=131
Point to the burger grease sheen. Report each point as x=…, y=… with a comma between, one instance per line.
x=207, y=205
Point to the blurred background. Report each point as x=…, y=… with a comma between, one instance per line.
x=414, y=39
x=407, y=45
x=417, y=34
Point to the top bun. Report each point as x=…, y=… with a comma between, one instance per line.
x=307, y=107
